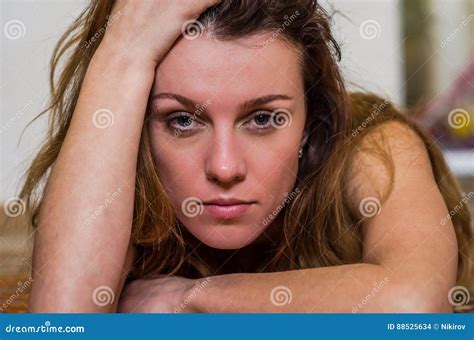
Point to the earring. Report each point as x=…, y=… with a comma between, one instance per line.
x=300, y=153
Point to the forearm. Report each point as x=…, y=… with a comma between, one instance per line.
x=361, y=288
x=86, y=216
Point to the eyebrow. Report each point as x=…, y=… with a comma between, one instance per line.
x=247, y=105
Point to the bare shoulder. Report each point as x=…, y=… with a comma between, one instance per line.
x=389, y=157
x=393, y=188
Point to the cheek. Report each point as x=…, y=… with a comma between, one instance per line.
x=277, y=176
x=171, y=164
x=279, y=158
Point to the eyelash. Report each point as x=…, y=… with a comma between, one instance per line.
x=256, y=114
x=170, y=120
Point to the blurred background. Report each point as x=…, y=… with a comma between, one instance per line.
x=417, y=53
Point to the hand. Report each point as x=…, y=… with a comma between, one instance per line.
x=148, y=28
x=166, y=294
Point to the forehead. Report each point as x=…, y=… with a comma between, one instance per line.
x=245, y=67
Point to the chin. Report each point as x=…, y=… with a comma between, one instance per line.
x=227, y=237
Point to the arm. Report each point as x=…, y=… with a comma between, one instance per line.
x=69, y=255
x=73, y=254
x=409, y=262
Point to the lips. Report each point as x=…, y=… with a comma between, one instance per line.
x=227, y=211
x=227, y=207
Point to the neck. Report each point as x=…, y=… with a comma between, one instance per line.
x=248, y=259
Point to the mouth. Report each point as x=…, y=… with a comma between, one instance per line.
x=227, y=211
x=227, y=207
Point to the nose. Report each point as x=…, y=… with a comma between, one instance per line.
x=225, y=163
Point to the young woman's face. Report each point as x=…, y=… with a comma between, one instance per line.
x=214, y=139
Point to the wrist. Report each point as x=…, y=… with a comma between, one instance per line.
x=195, y=296
x=109, y=54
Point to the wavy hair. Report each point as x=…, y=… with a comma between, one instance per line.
x=318, y=230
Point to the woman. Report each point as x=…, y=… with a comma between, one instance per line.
x=214, y=162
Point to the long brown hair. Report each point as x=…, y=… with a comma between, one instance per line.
x=318, y=230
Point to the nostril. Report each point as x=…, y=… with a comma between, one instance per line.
x=224, y=171
x=223, y=179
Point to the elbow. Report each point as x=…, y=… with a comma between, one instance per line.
x=419, y=305
x=418, y=300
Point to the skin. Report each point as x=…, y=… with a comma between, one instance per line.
x=69, y=255
x=410, y=254
x=228, y=150
x=71, y=258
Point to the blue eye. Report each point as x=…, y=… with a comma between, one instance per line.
x=181, y=122
x=262, y=120
x=184, y=121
